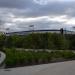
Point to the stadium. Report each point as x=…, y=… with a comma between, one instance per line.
x=62, y=31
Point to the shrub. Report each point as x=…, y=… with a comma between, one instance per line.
x=21, y=58
x=68, y=55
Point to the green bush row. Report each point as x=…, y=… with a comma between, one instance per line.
x=38, y=41
x=21, y=58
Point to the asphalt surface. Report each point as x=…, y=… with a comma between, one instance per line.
x=61, y=68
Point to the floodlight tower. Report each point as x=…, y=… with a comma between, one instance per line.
x=31, y=28
x=6, y=38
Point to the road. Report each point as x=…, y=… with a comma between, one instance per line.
x=61, y=68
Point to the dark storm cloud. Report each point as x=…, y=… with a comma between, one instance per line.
x=34, y=10
x=55, y=8
x=14, y=3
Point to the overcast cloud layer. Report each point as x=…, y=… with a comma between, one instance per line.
x=18, y=15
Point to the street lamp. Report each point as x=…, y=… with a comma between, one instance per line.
x=7, y=29
x=31, y=28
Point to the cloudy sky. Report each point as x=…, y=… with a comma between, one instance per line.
x=17, y=15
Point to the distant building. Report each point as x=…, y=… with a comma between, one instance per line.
x=39, y=31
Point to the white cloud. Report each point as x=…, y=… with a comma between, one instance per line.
x=41, y=2
x=45, y=2
x=71, y=21
x=61, y=19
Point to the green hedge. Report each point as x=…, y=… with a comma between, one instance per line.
x=21, y=58
x=38, y=41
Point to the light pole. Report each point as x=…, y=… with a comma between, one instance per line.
x=7, y=29
x=31, y=28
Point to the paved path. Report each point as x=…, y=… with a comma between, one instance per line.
x=2, y=57
x=62, y=68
